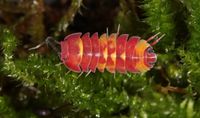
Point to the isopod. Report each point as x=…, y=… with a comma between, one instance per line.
x=121, y=53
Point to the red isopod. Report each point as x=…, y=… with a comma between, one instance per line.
x=85, y=53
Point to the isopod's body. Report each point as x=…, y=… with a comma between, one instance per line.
x=115, y=53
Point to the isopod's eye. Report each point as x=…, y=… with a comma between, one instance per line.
x=150, y=50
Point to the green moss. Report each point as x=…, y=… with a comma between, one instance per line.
x=160, y=18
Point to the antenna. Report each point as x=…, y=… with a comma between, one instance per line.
x=49, y=41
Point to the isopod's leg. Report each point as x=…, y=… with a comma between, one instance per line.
x=118, y=28
x=157, y=40
x=68, y=72
x=107, y=33
x=152, y=37
x=88, y=73
x=80, y=74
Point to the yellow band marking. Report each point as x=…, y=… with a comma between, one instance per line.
x=140, y=49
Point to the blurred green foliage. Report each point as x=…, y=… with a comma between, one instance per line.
x=36, y=83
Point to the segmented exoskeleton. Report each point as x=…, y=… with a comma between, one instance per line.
x=85, y=53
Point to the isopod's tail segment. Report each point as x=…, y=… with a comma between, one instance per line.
x=157, y=39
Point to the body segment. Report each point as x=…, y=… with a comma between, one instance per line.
x=103, y=53
x=111, y=58
x=87, y=52
x=131, y=57
x=95, y=52
x=121, y=53
x=73, y=51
